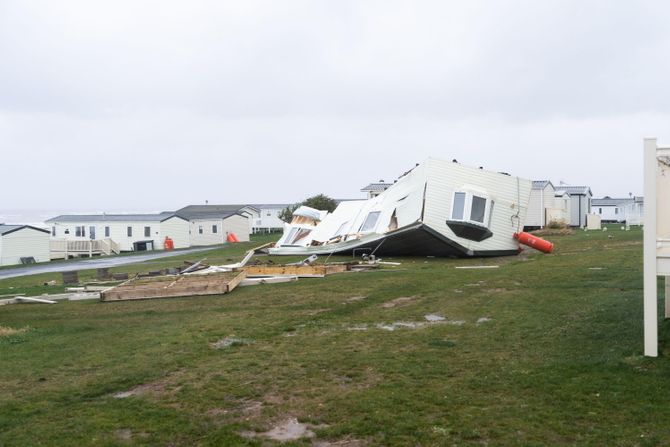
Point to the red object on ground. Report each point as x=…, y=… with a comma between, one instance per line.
x=232, y=238
x=535, y=242
x=168, y=244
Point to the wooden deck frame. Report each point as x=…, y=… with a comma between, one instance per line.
x=174, y=286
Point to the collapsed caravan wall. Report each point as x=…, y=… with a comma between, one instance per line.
x=439, y=208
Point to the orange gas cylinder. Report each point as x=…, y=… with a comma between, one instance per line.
x=168, y=244
x=232, y=238
x=535, y=242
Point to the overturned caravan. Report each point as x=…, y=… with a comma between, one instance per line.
x=439, y=208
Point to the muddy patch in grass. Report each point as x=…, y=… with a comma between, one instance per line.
x=417, y=324
x=288, y=430
x=6, y=331
x=399, y=302
x=156, y=388
x=245, y=409
x=228, y=342
x=354, y=299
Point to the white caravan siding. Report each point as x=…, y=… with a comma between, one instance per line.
x=238, y=225
x=176, y=229
x=579, y=208
x=25, y=242
x=505, y=191
x=202, y=232
x=540, y=200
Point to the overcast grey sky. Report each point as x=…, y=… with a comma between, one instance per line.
x=155, y=105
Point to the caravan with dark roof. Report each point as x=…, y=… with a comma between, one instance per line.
x=23, y=244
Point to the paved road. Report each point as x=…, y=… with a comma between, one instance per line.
x=94, y=263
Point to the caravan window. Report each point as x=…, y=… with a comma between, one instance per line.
x=458, y=209
x=370, y=221
x=468, y=207
x=340, y=231
x=478, y=209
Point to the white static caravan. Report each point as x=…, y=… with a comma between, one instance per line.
x=439, y=208
x=132, y=232
x=541, y=199
x=580, y=203
x=560, y=212
x=268, y=220
x=611, y=210
x=203, y=218
x=211, y=230
x=23, y=241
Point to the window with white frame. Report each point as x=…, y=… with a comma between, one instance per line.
x=471, y=207
x=370, y=222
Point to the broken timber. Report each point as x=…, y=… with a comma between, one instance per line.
x=174, y=286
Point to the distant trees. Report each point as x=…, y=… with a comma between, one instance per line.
x=319, y=202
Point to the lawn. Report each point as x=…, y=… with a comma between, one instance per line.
x=544, y=349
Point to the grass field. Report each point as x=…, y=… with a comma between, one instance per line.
x=545, y=349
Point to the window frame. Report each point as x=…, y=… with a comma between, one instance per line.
x=373, y=225
x=215, y=229
x=147, y=231
x=129, y=231
x=466, y=211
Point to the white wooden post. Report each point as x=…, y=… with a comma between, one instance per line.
x=649, y=257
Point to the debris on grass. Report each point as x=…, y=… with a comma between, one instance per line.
x=477, y=267
x=6, y=331
x=483, y=320
x=230, y=341
x=400, y=301
x=434, y=317
x=346, y=442
x=358, y=327
x=354, y=299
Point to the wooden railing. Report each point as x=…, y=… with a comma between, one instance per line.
x=63, y=248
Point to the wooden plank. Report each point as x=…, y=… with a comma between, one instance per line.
x=34, y=300
x=294, y=270
x=236, y=281
x=267, y=280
